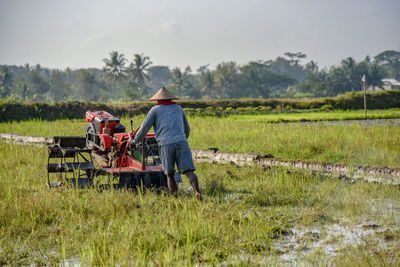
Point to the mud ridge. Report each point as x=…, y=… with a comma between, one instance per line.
x=24, y=139
x=382, y=175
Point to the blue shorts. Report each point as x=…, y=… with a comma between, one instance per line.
x=177, y=153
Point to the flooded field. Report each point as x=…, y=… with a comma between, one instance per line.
x=378, y=230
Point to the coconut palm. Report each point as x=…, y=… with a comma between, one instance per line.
x=351, y=73
x=115, y=68
x=181, y=80
x=226, y=75
x=206, y=80
x=138, y=70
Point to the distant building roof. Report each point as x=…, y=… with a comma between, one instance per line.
x=393, y=82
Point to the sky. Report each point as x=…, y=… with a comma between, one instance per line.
x=177, y=33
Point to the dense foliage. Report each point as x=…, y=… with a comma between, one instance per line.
x=11, y=110
x=119, y=80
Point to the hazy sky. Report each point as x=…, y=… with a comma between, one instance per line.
x=80, y=33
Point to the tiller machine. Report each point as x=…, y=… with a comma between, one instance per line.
x=106, y=145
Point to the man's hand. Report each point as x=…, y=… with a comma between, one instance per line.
x=132, y=142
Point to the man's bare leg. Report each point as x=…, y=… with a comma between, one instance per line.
x=173, y=187
x=195, y=183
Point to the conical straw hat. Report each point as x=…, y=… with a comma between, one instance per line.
x=163, y=94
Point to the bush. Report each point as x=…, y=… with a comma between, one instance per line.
x=12, y=110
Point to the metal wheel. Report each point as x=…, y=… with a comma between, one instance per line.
x=90, y=132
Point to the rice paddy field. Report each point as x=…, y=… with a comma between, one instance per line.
x=376, y=144
x=249, y=216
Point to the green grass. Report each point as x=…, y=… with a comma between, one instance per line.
x=352, y=144
x=245, y=212
x=321, y=116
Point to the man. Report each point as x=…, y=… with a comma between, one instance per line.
x=172, y=130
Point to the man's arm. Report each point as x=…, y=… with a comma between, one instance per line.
x=186, y=125
x=145, y=127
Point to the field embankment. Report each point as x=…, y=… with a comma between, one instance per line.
x=15, y=111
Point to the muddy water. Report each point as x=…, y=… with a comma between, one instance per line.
x=374, y=232
x=377, y=227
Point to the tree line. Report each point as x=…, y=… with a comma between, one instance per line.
x=120, y=80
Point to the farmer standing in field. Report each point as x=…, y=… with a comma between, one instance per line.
x=172, y=130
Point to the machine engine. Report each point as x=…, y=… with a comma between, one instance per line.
x=109, y=141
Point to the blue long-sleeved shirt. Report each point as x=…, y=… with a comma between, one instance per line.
x=170, y=124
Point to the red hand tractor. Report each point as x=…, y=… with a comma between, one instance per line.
x=72, y=159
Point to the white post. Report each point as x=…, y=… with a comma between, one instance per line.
x=365, y=95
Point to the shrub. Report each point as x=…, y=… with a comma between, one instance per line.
x=11, y=110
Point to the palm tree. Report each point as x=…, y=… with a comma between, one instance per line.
x=206, y=79
x=226, y=75
x=351, y=74
x=181, y=79
x=311, y=69
x=138, y=70
x=115, y=68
